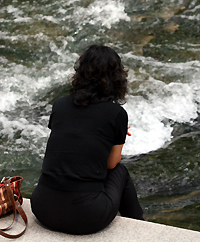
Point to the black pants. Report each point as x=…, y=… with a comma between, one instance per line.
x=85, y=213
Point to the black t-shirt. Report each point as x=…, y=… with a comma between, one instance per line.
x=80, y=143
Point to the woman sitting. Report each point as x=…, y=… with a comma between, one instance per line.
x=83, y=185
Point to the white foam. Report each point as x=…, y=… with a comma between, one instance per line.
x=173, y=101
x=8, y=101
x=147, y=131
x=21, y=19
x=62, y=52
x=31, y=134
x=20, y=89
x=16, y=12
x=11, y=9
x=155, y=101
x=146, y=116
x=152, y=102
x=103, y=12
x=46, y=17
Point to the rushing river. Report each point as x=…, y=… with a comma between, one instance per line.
x=158, y=41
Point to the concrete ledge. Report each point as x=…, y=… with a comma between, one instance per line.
x=120, y=230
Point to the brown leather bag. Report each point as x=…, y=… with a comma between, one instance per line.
x=11, y=199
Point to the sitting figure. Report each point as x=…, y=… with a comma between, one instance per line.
x=83, y=185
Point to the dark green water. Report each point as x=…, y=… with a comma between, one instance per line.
x=159, y=41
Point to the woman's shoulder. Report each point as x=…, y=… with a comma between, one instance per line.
x=61, y=102
x=112, y=108
x=63, y=99
x=112, y=105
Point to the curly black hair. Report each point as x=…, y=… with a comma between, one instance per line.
x=99, y=76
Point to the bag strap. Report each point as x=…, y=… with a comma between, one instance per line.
x=16, y=207
x=11, y=200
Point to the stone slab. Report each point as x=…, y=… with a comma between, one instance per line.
x=120, y=230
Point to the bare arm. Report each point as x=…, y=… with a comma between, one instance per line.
x=114, y=157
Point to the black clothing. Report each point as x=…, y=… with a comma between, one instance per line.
x=76, y=193
x=87, y=212
x=80, y=142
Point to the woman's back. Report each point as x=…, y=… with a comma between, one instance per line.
x=80, y=142
x=83, y=186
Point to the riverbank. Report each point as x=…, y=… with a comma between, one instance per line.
x=121, y=229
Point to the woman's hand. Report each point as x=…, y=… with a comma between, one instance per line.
x=128, y=133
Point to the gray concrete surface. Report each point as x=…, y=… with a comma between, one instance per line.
x=120, y=230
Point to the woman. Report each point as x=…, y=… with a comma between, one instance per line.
x=83, y=186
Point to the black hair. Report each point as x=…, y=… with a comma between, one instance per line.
x=99, y=76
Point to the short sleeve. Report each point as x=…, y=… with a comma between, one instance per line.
x=121, y=124
x=51, y=116
x=50, y=120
